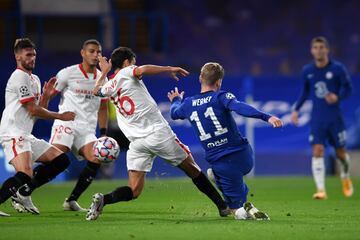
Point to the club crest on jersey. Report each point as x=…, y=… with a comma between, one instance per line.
x=24, y=91
x=329, y=75
x=310, y=76
x=230, y=96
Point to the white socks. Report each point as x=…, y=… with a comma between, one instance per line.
x=344, y=167
x=241, y=214
x=318, y=170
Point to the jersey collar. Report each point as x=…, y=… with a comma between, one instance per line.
x=84, y=72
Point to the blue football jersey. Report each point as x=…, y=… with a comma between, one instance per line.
x=210, y=116
x=318, y=82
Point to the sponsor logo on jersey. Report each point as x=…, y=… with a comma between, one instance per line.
x=310, y=76
x=329, y=75
x=217, y=143
x=230, y=96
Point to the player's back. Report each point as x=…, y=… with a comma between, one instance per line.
x=137, y=112
x=214, y=124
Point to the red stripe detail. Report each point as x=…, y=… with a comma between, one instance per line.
x=14, y=148
x=183, y=146
x=83, y=70
x=134, y=74
x=104, y=99
x=25, y=100
x=24, y=70
x=52, y=139
x=112, y=76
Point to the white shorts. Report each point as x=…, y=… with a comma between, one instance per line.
x=13, y=146
x=162, y=143
x=73, y=138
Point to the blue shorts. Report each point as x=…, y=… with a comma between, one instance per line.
x=332, y=132
x=229, y=171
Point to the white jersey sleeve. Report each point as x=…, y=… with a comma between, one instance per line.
x=111, y=87
x=61, y=80
x=23, y=89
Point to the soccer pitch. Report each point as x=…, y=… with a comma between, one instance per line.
x=174, y=209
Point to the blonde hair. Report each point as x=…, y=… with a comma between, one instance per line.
x=211, y=72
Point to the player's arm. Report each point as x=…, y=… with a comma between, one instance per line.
x=40, y=112
x=99, y=89
x=346, y=85
x=231, y=103
x=103, y=117
x=48, y=92
x=154, y=69
x=176, y=109
x=303, y=96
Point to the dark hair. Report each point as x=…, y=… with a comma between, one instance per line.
x=22, y=43
x=211, y=72
x=119, y=55
x=91, y=41
x=320, y=39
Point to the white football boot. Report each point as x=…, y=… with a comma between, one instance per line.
x=73, y=206
x=254, y=213
x=25, y=202
x=96, y=207
x=2, y=214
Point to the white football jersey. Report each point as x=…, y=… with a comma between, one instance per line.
x=137, y=112
x=21, y=87
x=76, y=88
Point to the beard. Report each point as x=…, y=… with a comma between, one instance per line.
x=28, y=67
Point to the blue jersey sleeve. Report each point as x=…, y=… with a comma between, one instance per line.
x=304, y=93
x=177, y=109
x=346, y=85
x=231, y=103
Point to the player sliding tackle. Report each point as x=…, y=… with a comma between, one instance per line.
x=139, y=118
x=228, y=153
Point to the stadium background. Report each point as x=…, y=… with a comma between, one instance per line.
x=261, y=44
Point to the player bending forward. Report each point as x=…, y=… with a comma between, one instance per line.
x=228, y=153
x=139, y=118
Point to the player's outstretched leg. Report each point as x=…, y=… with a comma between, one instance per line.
x=204, y=185
x=42, y=174
x=120, y=194
x=86, y=177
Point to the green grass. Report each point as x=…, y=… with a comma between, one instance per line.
x=173, y=209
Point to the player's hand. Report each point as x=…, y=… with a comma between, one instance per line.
x=49, y=88
x=331, y=98
x=105, y=66
x=175, y=93
x=295, y=118
x=275, y=122
x=177, y=70
x=67, y=116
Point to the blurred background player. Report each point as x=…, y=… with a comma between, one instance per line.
x=229, y=154
x=75, y=83
x=140, y=119
x=24, y=103
x=327, y=83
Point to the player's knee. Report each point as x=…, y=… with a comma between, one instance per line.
x=318, y=151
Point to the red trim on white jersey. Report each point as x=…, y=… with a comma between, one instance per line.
x=134, y=74
x=186, y=149
x=25, y=100
x=85, y=73
x=14, y=147
x=104, y=99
